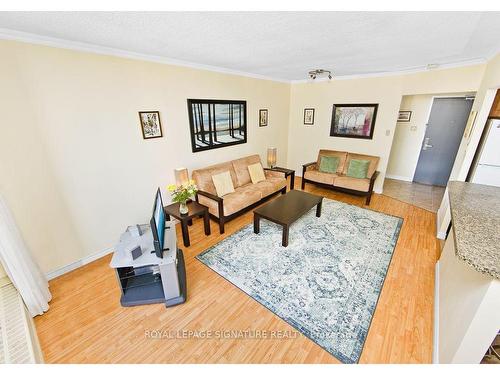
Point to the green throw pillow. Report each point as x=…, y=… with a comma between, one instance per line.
x=358, y=168
x=329, y=164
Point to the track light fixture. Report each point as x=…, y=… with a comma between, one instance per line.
x=319, y=72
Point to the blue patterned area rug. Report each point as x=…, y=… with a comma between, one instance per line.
x=326, y=283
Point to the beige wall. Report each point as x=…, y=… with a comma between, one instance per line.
x=78, y=166
x=408, y=136
x=304, y=141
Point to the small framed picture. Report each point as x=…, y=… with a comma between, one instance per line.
x=150, y=124
x=263, y=117
x=309, y=116
x=404, y=116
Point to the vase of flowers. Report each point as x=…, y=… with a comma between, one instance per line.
x=182, y=193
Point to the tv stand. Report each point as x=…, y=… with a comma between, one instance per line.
x=149, y=279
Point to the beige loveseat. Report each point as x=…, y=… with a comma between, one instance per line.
x=246, y=194
x=339, y=181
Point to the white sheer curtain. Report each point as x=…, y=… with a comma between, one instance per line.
x=20, y=266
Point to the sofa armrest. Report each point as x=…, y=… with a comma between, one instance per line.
x=209, y=195
x=273, y=173
x=219, y=200
x=372, y=179
x=308, y=166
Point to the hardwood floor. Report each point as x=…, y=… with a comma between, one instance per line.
x=86, y=324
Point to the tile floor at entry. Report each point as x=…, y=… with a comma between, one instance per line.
x=427, y=197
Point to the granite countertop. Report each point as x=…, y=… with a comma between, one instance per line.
x=475, y=214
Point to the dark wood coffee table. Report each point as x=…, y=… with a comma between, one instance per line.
x=286, y=209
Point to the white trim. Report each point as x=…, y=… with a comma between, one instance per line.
x=441, y=235
x=396, y=72
x=378, y=190
x=396, y=177
x=435, y=339
x=22, y=36
x=81, y=262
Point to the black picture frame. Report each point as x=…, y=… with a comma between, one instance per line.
x=404, y=116
x=231, y=114
x=149, y=126
x=342, y=125
x=310, y=110
x=263, y=117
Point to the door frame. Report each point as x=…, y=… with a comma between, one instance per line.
x=434, y=97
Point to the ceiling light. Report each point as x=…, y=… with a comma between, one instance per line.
x=319, y=72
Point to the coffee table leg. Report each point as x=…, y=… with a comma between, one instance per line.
x=206, y=223
x=284, y=241
x=256, y=223
x=292, y=180
x=185, y=233
x=318, y=208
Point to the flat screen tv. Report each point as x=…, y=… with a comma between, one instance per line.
x=157, y=223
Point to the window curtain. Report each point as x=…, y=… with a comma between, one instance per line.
x=20, y=266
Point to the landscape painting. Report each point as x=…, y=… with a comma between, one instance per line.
x=217, y=123
x=353, y=120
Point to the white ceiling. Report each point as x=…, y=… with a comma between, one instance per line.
x=280, y=45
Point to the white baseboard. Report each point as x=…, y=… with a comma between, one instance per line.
x=441, y=235
x=435, y=346
x=378, y=190
x=81, y=262
x=401, y=178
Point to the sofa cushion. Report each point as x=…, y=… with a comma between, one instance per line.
x=358, y=168
x=241, y=168
x=223, y=183
x=256, y=173
x=359, y=184
x=203, y=177
x=342, y=155
x=329, y=164
x=271, y=185
x=373, y=163
x=242, y=197
x=321, y=177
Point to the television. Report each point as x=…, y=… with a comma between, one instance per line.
x=157, y=224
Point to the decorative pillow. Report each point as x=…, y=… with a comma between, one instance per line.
x=223, y=183
x=358, y=168
x=329, y=164
x=256, y=173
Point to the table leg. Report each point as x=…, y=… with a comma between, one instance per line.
x=185, y=233
x=190, y=222
x=167, y=217
x=318, y=208
x=292, y=180
x=206, y=223
x=286, y=231
x=256, y=223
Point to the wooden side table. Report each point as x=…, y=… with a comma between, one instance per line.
x=287, y=172
x=195, y=209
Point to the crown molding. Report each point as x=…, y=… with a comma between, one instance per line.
x=21, y=36
x=395, y=72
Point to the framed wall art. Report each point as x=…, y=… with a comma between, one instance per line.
x=309, y=116
x=150, y=124
x=263, y=117
x=353, y=120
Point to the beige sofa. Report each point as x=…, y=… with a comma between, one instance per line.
x=339, y=181
x=246, y=194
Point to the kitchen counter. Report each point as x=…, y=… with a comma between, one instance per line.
x=475, y=215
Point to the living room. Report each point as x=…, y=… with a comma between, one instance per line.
x=109, y=113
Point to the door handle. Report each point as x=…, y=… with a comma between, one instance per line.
x=426, y=145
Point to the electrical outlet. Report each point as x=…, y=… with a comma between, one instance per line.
x=413, y=128
x=387, y=133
